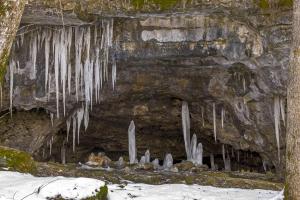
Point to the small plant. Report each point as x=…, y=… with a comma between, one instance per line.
x=101, y=194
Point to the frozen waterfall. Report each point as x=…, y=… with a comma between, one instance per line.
x=77, y=55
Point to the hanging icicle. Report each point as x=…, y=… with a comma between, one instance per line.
x=282, y=110
x=277, y=123
x=222, y=117
x=68, y=128
x=74, y=132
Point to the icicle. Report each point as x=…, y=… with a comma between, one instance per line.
x=212, y=162
x=33, y=55
x=244, y=84
x=86, y=118
x=78, y=54
x=11, y=72
x=186, y=128
x=51, y=140
x=264, y=165
x=131, y=143
x=168, y=162
x=222, y=118
x=63, y=154
x=74, y=132
x=147, y=156
x=277, y=123
x=214, y=121
x=47, y=53
x=68, y=128
x=194, y=148
x=282, y=110
x=202, y=115
x=57, y=49
x=80, y=114
x=52, y=120
x=199, y=155
x=114, y=73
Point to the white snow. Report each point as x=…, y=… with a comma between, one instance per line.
x=14, y=185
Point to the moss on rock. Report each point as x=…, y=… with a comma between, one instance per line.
x=18, y=160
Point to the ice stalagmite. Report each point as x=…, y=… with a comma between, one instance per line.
x=214, y=121
x=155, y=163
x=143, y=160
x=147, y=156
x=223, y=154
x=277, y=123
x=168, y=162
x=212, y=162
x=68, y=128
x=199, y=155
x=194, y=148
x=131, y=143
x=63, y=154
x=186, y=129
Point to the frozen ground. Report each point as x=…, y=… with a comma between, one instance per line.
x=17, y=186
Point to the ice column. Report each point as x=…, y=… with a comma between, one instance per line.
x=186, y=128
x=131, y=143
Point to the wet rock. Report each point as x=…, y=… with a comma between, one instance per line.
x=100, y=160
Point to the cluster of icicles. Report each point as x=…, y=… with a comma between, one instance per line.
x=279, y=110
x=168, y=161
x=89, y=68
x=194, y=152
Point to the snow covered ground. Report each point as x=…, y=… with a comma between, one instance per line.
x=16, y=186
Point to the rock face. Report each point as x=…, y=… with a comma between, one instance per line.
x=233, y=56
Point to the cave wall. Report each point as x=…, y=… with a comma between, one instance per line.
x=233, y=54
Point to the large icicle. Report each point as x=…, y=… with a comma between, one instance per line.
x=131, y=143
x=74, y=132
x=185, y=115
x=80, y=114
x=68, y=127
x=222, y=117
x=47, y=53
x=282, y=110
x=114, y=73
x=277, y=123
x=214, y=121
